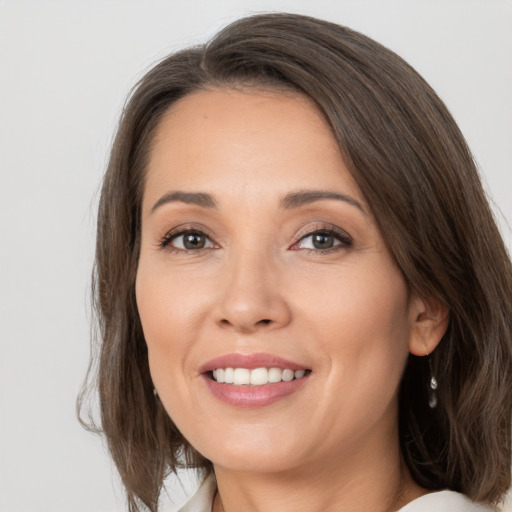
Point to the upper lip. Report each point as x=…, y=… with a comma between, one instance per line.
x=250, y=361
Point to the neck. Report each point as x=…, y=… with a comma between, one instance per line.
x=382, y=484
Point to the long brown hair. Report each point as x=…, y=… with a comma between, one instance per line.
x=414, y=168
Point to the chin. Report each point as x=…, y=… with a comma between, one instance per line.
x=249, y=461
x=251, y=451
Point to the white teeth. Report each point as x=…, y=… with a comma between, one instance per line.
x=256, y=377
x=242, y=376
x=288, y=375
x=274, y=375
x=229, y=375
x=259, y=376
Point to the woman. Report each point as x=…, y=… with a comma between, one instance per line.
x=301, y=289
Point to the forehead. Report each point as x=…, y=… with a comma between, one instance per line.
x=223, y=139
x=238, y=112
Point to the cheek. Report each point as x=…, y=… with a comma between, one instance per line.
x=168, y=302
x=351, y=299
x=361, y=322
x=169, y=317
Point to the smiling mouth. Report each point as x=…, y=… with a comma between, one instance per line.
x=256, y=376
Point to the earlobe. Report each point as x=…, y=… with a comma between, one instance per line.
x=429, y=323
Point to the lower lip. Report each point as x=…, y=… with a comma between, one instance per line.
x=252, y=396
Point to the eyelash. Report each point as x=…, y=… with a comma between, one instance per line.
x=165, y=243
x=340, y=235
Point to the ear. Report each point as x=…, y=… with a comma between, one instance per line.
x=429, y=323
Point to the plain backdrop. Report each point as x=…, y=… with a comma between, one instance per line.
x=65, y=70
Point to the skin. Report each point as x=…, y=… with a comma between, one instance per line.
x=260, y=284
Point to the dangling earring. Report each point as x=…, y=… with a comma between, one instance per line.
x=155, y=392
x=432, y=392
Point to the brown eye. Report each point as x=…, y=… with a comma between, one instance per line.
x=194, y=241
x=322, y=241
x=188, y=241
x=325, y=240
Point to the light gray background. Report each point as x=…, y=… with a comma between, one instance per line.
x=65, y=69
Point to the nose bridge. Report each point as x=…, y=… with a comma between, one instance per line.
x=251, y=297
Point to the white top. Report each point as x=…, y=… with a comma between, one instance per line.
x=442, y=501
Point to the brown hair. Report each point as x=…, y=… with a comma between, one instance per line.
x=413, y=166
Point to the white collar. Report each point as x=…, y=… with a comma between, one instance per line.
x=441, y=501
x=202, y=500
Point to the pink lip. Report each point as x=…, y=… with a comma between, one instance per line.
x=250, y=361
x=251, y=396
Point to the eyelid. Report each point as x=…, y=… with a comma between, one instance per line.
x=183, y=229
x=340, y=234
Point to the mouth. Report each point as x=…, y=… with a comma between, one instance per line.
x=256, y=376
x=253, y=380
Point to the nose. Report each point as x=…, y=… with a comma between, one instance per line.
x=251, y=296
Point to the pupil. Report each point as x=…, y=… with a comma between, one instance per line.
x=321, y=241
x=193, y=241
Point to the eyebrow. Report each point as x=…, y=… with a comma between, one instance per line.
x=305, y=197
x=290, y=201
x=197, y=198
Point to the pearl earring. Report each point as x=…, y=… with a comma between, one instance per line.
x=432, y=392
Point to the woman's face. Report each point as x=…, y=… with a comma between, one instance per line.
x=259, y=252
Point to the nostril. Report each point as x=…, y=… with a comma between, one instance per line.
x=245, y=326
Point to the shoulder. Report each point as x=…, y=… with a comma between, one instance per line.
x=202, y=500
x=445, y=501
